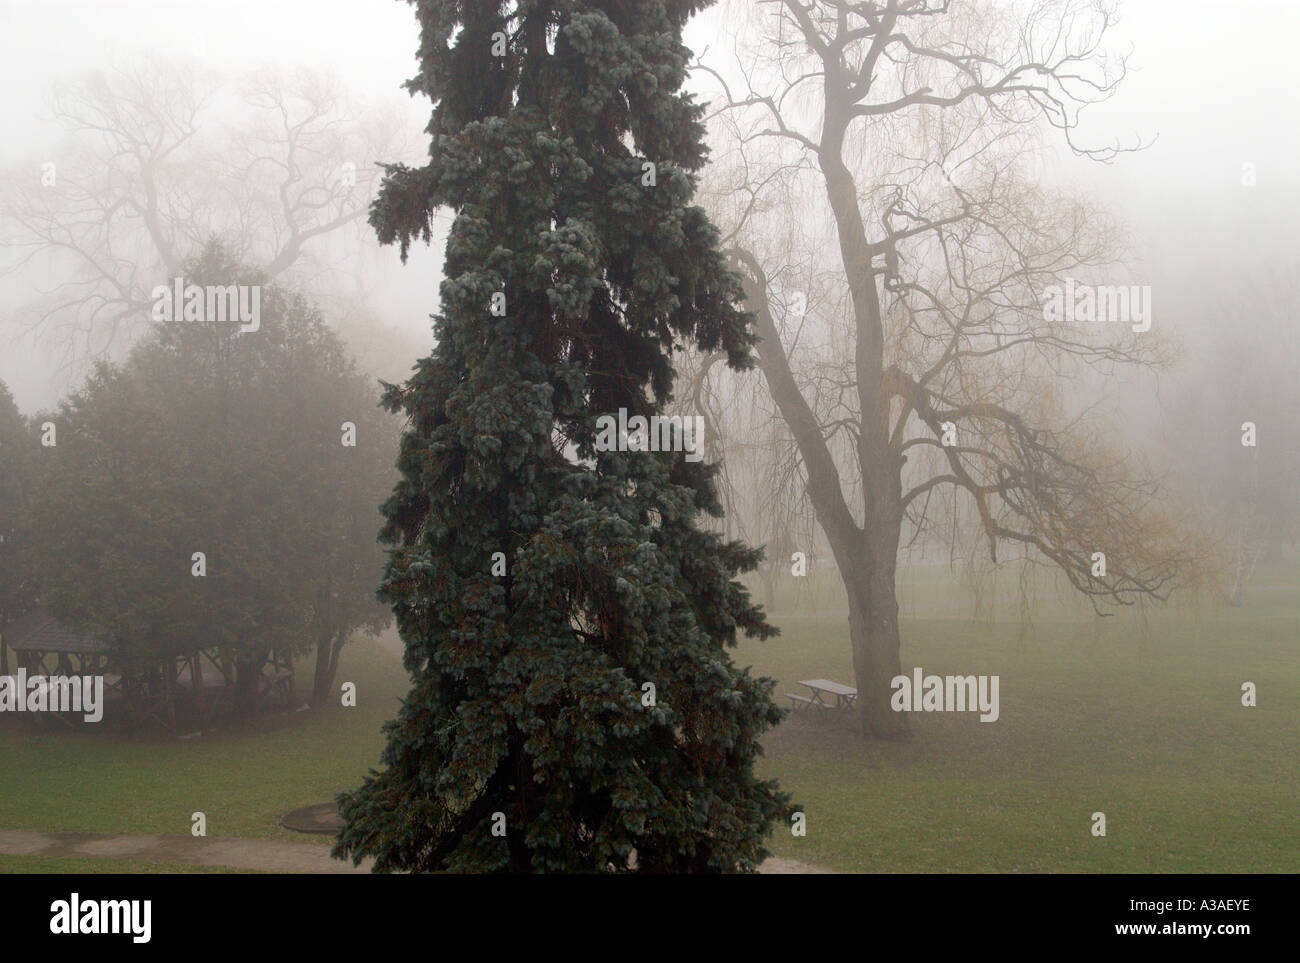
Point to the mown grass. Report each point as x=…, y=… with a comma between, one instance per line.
x=90, y=781
x=1138, y=716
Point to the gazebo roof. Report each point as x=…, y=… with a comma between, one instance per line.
x=39, y=631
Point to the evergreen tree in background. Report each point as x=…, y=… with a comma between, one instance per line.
x=530, y=739
x=18, y=466
x=210, y=440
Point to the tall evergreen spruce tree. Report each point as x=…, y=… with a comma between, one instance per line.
x=530, y=740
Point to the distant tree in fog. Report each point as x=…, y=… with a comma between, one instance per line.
x=1249, y=376
x=18, y=461
x=233, y=445
x=159, y=158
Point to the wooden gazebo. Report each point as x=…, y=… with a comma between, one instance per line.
x=42, y=645
x=150, y=690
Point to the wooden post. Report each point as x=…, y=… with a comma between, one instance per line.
x=196, y=680
x=169, y=669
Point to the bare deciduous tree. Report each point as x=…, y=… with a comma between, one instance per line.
x=1236, y=410
x=911, y=124
x=160, y=157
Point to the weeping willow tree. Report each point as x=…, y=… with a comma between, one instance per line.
x=879, y=155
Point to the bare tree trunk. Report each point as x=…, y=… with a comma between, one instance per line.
x=247, y=673
x=328, y=649
x=874, y=634
x=323, y=676
x=767, y=572
x=1247, y=559
x=865, y=556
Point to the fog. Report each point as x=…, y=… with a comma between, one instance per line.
x=1203, y=93
x=1023, y=408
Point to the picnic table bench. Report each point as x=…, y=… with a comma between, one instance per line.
x=844, y=698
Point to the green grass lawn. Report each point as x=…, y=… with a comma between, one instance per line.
x=1138, y=716
x=99, y=782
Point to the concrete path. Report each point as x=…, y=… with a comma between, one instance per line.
x=268, y=855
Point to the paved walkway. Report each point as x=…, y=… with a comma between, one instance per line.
x=268, y=855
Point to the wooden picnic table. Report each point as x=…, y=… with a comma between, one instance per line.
x=845, y=696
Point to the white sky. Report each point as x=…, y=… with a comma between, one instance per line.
x=1218, y=81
